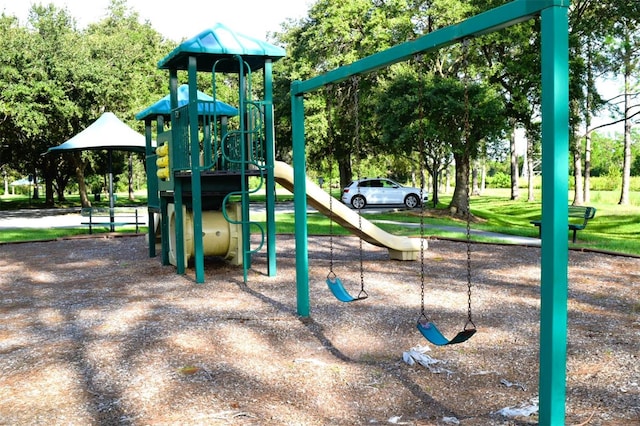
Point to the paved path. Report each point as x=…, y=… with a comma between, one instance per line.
x=512, y=239
x=71, y=218
x=49, y=218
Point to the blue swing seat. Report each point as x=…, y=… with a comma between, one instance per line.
x=340, y=293
x=430, y=332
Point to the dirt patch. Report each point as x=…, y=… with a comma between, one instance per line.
x=93, y=331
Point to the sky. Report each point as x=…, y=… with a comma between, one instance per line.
x=253, y=18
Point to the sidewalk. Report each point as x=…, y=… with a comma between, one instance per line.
x=46, y=218
x=506, y=238
x=71, y=218
x=40, y=218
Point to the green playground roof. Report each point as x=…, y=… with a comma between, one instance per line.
x=219, y=42
x=163, y=106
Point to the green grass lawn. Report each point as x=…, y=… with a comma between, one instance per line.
x=30, y=234
x=615, y=228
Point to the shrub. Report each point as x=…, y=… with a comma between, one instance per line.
x=499, y=180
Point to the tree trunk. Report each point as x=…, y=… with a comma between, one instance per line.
x=48, y=174
x=434, y=190
x=48, y=192
x=525, y=162
x=459, y=205
x=587, y=167
x=576, y=151
x=530, y=175
x=346, y=174
x=447, y=181
x=530, y=134
x=475, y=182
x=36, y=179
x=514, y=162
x=587, y=124
x=626, y=165
x=131, y=197
x=577, y=173
x=82, y=187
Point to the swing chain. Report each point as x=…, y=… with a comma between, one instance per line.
x=356, y=113
x=328, y=105
x=467, y=133
x=418, y=61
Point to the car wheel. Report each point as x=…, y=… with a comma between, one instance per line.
x=411, y=201
x=358, y=202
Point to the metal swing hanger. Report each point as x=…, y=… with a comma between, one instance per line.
x=426, y=326
x=333, y=282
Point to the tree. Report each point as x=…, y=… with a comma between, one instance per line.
x=55, y=81
x=597, y=38
x=510, y=59
x=407, y=125
x=37, y=99
x=334, y=34
x=125, y=53
x=15, y=56
x=447, y=117
x=476, y=112
x=629, y=52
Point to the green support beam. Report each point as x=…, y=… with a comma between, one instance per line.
x=270, y=184
x=300, y=205
x=196, y=177
x=555, y=187
x=177, y=185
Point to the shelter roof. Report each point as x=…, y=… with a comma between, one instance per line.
x=108, y=133
x=22, y=182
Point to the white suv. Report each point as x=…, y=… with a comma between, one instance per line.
x=380, y=191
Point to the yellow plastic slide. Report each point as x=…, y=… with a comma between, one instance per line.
x=400, y=248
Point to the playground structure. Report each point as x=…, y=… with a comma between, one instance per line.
x=198, y=174
x=209, y=161
x=206, y=152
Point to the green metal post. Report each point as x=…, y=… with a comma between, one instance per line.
x=555, y=175
x=164, y=231
x=243, y=98
x=196, y=179
x=300, y=202
x=164, y=220
x=270, y=184
x=177, y=184
x=152, y=187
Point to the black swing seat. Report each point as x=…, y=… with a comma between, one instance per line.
x=430, y=332
x=340, y=293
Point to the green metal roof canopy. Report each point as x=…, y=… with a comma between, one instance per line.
x=219, y=42
x=163, y=106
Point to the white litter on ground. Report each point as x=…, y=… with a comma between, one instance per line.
x=417, y=354
x=523, y=410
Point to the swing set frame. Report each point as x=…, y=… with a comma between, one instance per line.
x=554, y=31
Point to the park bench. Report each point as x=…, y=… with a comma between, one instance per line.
x=579, y=216
x=111, y=217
